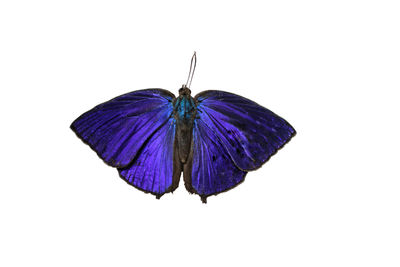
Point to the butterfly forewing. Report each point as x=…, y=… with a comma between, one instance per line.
x=249, y=133
x=117, y=129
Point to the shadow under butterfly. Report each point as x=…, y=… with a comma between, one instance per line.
x=214, y=138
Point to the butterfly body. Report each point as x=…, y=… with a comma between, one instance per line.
x=184, y=114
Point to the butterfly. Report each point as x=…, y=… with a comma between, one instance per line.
x=152, y=137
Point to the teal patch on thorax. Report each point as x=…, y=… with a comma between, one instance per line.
x=184, y=107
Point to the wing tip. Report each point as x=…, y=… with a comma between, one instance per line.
x=292, y=134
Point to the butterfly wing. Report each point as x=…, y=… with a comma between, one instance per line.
x=231, y=135
x=117, y=129
x=152, y=170
x=250, y=133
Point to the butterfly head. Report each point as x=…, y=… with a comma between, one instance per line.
x=184, y=91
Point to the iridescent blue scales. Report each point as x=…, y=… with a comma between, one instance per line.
x=152, y=137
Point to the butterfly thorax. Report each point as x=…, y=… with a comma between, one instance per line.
x=184, y=113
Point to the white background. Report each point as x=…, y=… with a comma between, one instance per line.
x=329, y=198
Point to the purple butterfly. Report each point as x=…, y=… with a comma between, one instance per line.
x=151, y=137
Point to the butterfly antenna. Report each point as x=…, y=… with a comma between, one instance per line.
x=191, y=70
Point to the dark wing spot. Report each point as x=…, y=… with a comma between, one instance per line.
x=213, y=158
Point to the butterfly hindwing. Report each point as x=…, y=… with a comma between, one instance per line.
x=117, y=129
x=249, y=133
x=152, y=170
x=210, y=169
